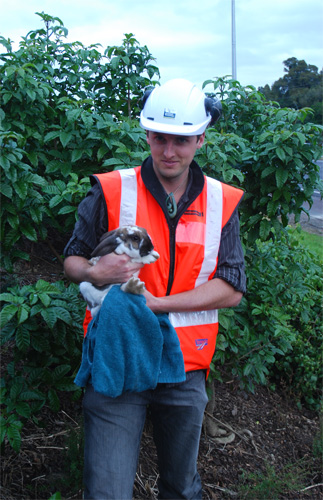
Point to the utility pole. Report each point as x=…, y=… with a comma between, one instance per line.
x=233, y=29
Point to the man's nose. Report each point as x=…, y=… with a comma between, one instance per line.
x=169, y=149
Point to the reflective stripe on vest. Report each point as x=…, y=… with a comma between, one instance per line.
x=211, y=250
x=128, y=205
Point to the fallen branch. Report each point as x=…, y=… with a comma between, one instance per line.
x=34, y=438
x=51, y=448
x=310, y=487
x=224, y=490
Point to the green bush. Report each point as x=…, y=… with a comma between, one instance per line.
x=268, y=151
x=65, y=110
x=275, y=334
x=41, y=335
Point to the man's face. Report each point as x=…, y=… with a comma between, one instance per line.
x=172, y=154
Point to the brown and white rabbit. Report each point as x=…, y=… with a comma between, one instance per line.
x=131, y=240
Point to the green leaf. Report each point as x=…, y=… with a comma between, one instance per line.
x=13, y=220
x=281, y=154
x=46, y=300
x=111, y=161
x=67, y=210
x=49, y=317
x=101, y=152
x=264, y=230
x=23, y=409
x=15, y=390
x=31, y=94
x=61, y=371
x=21, y=188
x=73, y=114
x=301, y=138
x=281, y=177
x=256, y=311
x=23, y=314
x=56, y=496
x=254, y=219
x=51, y=135
x=63, y=314
x=28, y=231
x=32, y=395
x=65, y=137
x=4, y=162
x=5, y=189
x=56, y=200
x=38, y=180
x=44, y=286
x=14, y=437
x=247, y=369
x=6, y=297
x=53, y=400
x=76, y=155
x=22, y=339
x=7, y=313
x=267, y=171
x=3, y=428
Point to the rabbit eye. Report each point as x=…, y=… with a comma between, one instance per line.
x=135, y=237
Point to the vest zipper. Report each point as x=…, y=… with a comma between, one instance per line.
x=172, y=231
x=172, y=225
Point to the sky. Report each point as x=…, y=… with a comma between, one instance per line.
x=189, y=39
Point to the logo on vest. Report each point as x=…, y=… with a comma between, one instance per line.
x=194, y=212
x=201, y=343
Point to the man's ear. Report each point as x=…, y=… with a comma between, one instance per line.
x=200, y=141
x=147, y=136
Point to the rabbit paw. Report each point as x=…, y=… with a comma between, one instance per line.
x=134, y=285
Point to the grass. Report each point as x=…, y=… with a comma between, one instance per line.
x=314, y=242
x=273, y=484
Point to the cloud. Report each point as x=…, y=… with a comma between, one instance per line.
x=188, y=38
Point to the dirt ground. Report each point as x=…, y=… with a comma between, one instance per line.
x=270, y=434
x=272, y=450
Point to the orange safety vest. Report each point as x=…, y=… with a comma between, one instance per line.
x=196, y=239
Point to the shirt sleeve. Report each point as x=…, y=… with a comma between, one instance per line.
x=91, y=224
x=231, y=259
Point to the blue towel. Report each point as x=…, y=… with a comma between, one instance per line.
x=128, y=348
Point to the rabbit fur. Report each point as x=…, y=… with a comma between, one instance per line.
x=131, y=240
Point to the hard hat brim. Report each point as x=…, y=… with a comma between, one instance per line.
x=168, y=128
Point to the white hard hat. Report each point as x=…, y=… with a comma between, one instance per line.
x=178, y=107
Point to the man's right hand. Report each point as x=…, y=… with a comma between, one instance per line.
x=111, y=268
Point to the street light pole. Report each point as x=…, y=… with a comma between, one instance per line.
x=233, y=28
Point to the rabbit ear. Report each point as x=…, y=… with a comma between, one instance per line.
x=108, y=244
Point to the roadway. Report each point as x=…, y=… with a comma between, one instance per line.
x=315, y=223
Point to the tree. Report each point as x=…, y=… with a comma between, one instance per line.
x=301, y=87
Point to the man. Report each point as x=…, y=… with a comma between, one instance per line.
x=193, y=223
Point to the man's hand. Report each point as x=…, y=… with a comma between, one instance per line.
x=114, y=268
x=111, y=268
